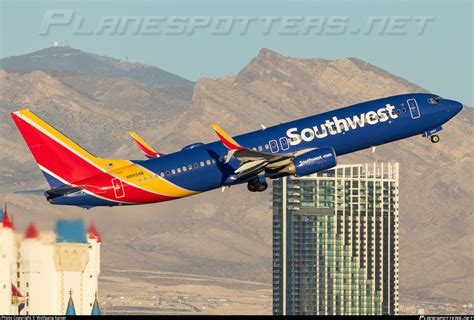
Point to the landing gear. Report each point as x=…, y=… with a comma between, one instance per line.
x=256, y=185
x=431, y=134
x=434, y=138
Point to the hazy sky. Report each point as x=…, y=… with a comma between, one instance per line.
x=426, y=42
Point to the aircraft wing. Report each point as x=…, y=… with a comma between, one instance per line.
x=145, y=147
x=252, y=162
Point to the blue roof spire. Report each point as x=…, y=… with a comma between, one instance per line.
x=96, y=309
x=70, y=311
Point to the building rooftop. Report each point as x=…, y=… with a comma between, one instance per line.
x=72, y=231
x=31, y=232
x=93, y=233
x=6, y=220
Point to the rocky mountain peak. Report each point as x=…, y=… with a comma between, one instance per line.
x=65, y=59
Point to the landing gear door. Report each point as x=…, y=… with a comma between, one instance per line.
x=414, y=111
x=118, y=188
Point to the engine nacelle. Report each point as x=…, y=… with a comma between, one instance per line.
x=312, y=162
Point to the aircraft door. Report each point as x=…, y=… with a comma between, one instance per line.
x=118, y=188
x=273, y=146
x=414, y=111
x=284, y=143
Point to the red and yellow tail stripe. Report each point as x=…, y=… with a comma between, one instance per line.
x=68, y=162
x=145, y=147
x=227, y=140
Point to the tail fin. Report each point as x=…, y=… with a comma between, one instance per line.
x=62, y=161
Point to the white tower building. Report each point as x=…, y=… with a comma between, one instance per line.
x=90, y=276
x=8, y=259
x=38, y=272
x=41, y=273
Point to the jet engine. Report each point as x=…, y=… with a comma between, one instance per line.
x=311, y=162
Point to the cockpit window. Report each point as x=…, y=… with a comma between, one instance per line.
x=434, y=100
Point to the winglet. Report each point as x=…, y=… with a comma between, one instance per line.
x=227, y=140
x=145, y=147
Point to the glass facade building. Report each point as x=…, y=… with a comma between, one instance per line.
x=335, y=242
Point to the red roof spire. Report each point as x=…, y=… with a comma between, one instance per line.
x=15, y=292
x=31, y=232
x=93, y=234
x=6, y=221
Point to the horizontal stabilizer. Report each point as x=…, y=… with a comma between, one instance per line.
x=35, y=192
x=61, y=191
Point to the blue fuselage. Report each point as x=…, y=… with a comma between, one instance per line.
x=346, y=130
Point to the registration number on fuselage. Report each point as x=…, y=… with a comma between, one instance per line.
x=135, y=174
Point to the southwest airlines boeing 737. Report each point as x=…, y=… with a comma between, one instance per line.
x=299, y=148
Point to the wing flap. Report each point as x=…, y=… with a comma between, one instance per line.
x=250, y=166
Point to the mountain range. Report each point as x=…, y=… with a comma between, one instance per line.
x=230, y=234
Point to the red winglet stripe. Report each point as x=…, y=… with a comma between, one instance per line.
x=147, y=151
x=227, y=143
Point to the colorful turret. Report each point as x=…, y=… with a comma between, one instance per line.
x=70, y=310
x=95, y=308
x=6, y=220
x=40, y=271
x=31, y=232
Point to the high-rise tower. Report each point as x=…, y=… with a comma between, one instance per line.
x=335, y=241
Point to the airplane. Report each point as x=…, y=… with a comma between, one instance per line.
x=299, y=148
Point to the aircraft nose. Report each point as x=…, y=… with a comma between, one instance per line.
x=454, y=107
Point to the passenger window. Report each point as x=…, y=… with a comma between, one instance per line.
x=202, y=163
x=195, y=165
x=178, y=170
x=190, y=167
x=208, y=162
x=284, y=143
x=273, y=146
x=267, y=147
x=213, y=161
x=184, y=169
x=260, y=148
x=167, y=173
x=162, y=174
x=173, y=171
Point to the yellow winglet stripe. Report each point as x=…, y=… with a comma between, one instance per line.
x=141, y=141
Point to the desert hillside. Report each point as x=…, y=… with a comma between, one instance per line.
x=229, y=235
